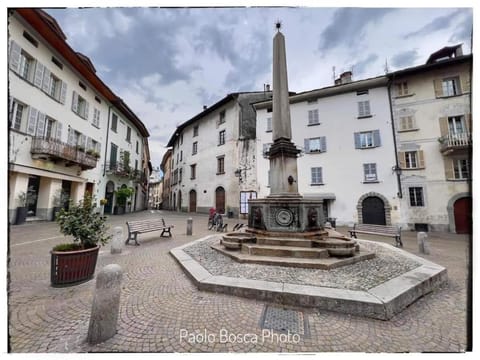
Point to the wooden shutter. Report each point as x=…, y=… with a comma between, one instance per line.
x=59, y=131
x=437, y=86
x=366, y=107
x=32, y=121
x=40, y=125
x=38, y=78
x=421, y=159
x=376, y=138
x=46, y=80
x=449, y=172
x=323, y=143
x=63, y=92
x=356, y=137
x=85, y=115
x=89, y=144
x=75, y=102
x=307, y=145
x=465, y=83
x=71, y=136
x=15, y=52
x=443, y=126
x=401, y=160
x=360, y=108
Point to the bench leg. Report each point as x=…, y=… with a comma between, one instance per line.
x=398, y=242
x=130, y=237
x=169, y=234
x=352, y=234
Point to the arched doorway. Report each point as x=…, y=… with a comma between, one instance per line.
x=179, y=207
x=174, y=204
x=462, y=213
x=192, y=207
x=109, y=189
x=373, y=211
x=220, y=200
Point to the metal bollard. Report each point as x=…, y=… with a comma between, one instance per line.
x=189, y=226
x=117, y=241
x=106, y=304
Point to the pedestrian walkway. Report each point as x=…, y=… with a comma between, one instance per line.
x=162, y=311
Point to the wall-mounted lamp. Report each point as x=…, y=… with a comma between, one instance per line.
x=397, y=169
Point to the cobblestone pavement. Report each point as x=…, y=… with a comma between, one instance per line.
x=161, y=311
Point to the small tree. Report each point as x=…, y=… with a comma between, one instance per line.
x=81, y=221
x=122, y=195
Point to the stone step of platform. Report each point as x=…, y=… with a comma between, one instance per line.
x=284, y=251
x=333, y=243
x=284, y=242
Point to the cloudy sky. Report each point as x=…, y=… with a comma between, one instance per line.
x=166, y=63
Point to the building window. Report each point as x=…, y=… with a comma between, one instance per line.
x=181, y=139
x=266, y=149
x=114, y=123
x=194, y=148
x=362, y=92
x=193, y=171
x=221, y=137
x=136, y=147
x=364, y=108
x=30, y=39
x=317, y=176
x=82, y=85
x=269, y=110
x=450, y=86
x=55, y=86
x=370, y=172
x=181, y=155
x=80, y=106
x=461, y=169
x=269, y=124
x=456, y=125
x=129, y=134
x=220, y=165
x=411, y=159
x=195, y=130
x=221, y=118
x=136, y=164
x=26, y=66
x=416, y=196
x=407, y=123
x=180, y=175
x=318, y=144
x=49, y=123
x=16, y=115
x=96, y=118
x=244, y=197
x=402, y=88
x=367, y=139
x=313, y=117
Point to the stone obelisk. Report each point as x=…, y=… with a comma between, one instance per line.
x=283, y=153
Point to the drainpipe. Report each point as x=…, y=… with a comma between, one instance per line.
x=389, y=87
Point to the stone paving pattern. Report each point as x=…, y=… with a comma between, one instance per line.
x=363, y=275
x=158, y=302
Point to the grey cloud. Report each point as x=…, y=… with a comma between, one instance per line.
x=439, y=23
x=360, y=67
x=348, y=26
x=463, y=31
x=405, y=58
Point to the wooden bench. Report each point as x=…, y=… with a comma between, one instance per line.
x=383, y=230
x=144, y=226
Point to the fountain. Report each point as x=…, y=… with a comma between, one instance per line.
x=285, y=228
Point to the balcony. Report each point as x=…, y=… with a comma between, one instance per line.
x=455, y=143
x=121, y=170
x=54, y=150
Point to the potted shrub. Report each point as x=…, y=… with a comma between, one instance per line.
x=75, y=262
x=121, y=196
x=22, y=208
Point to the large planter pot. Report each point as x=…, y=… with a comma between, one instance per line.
x=73, y=267
x=118, y=210
x=21, y=215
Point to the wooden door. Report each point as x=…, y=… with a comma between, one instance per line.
x=192, y=201
x=462, y=210
x=220, y=200
x=373, y=211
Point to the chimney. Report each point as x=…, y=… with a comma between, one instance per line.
x=345, y=78
x=204, y=107
x=458, y=51
x=268, y=87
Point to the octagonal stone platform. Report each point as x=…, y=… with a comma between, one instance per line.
x=380, y=299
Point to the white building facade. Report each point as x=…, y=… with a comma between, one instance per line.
x=432, y=112
x=345, y=132
x=59, y=116
x=213, y=161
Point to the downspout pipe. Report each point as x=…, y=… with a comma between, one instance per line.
x=399, y=183
x=106, y=142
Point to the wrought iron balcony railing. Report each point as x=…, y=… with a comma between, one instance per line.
x=453, y=142
x=55, y=150
x=119, y=169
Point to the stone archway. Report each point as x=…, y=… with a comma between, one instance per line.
x=387, y=207
x=451, y=212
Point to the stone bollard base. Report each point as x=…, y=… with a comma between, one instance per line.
x=422, y=242
x=106, y=304
x=117, y=241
